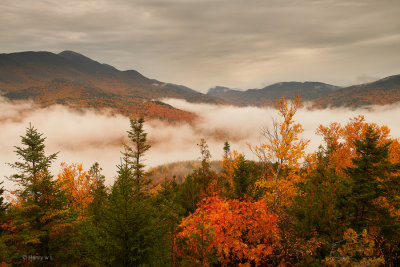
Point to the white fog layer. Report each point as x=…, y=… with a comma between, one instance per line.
x=87, y=137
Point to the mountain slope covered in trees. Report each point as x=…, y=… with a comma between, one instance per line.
x=382, y=92
x=72, y=79
x=268, y=95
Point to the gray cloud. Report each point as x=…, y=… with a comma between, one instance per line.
x=201, y=43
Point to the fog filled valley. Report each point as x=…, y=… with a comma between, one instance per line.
x=87, y=136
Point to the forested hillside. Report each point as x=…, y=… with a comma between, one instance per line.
x=382, y=92
x=337, y=206
x=267, y=95
x=69, y=78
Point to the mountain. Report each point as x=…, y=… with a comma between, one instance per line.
x=75, y=95
x=381, y=92
x=267, y=95
x=74, y=79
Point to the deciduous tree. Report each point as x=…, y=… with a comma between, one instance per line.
x=282, y=151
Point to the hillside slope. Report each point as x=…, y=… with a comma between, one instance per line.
x=381, y=92
x=75, y=95
x=72, y=79
x=267, y=95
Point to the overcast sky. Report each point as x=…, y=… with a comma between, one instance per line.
x=203, y=43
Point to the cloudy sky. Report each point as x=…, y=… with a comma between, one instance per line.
x=203, y=43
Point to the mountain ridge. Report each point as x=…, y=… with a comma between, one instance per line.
x=71, y=78
x=266, y=96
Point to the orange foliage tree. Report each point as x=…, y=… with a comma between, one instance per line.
x=78, y=184
x=281, y=152
x=341, y=140
x=231, y=232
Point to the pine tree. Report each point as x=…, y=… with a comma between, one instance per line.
x=204, y=175
x=128, y=221
x=244, y=176
x=370, y=176
x=99, y=192
x=321, y=208
x=3, y=207
x=42, y=220
x=227, y=149
x=136, y=153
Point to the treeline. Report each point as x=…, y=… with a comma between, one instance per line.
x=339, y=206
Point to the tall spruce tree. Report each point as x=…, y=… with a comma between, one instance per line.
x=42, y=219
x=136, y=152
x=129, y=219
x=204, y=175
x=373, y=177
x=3, y=207
x=244, y=176
x=99, y=192
x=227, y=149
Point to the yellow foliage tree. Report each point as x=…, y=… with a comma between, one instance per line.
x=78, y=185
x=357, y=250
x=281, y=153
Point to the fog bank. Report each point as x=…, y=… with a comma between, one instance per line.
x=89, y=136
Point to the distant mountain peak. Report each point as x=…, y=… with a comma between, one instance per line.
x=68, y=54
x=219, y=89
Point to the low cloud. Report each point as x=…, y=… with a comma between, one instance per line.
x=89, y=136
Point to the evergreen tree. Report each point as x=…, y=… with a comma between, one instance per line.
x=99, y=193
x=136, y=153
x=227, y=149
x=129, y=221
x=42, y=221
x=370, y=176
x=3, y=207
x=190, y=193
x=244, y=176
x=204, y=175
x=321, y=209
x=93, y=229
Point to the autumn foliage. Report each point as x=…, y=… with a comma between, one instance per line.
x=337, y=206
x=78, y=184
x=233, y=232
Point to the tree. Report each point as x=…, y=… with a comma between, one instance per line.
x=282, y=151
x=93, y=230
x=245, y=175
x=33, y=170
x=373, y=178
x=78, y=184
x=227, y=149
x=320, y=210
x=128, y=221
x=357, y=250
x=231, y=233
x=136, y=153
x=42, y=222
x=99, y=192
x=3, y=224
